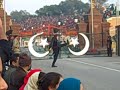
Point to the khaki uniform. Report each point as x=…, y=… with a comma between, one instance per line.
x=16, y=46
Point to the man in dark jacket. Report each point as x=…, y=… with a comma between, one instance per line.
x=5, y=48
x=56, y=45
x=14, y=63
x=17, y=77
x=3, y=85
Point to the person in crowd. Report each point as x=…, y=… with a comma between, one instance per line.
x=70, y=84
x=5, y=49
x=49, y=81
x=14, y=63
x=16, y=44
x=17, y=77
x=10, y=36
x=3, y=84
x=56, y=45
x=109, y=46
x=30, y=81
x=11, y=39
x=27, y=77
x=3, y=57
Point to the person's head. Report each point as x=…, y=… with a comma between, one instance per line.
x=33, y=80
x=70, y=84
x=30, y=81
x=3, y=85
x=15, y=60
x=41, y=74
x=16, y=37
x=25, y=61
x=49, y=81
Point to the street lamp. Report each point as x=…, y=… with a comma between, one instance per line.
x=43, y=25
x=59, y=23
x=24, y=29
x=76, y=20
x=32, y=31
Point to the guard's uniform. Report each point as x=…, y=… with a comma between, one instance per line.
x=56, y=46
x=109, y=47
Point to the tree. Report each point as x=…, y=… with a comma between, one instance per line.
x=65, y=7
x=19, y=15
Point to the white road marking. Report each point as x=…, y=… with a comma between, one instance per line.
x=116, y=62
x=95, y=65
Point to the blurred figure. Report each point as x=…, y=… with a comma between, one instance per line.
x=32, y=81
x=109, y=46
x=14, y=63
x=56, y=46
x=27, y=77
x=3, y=85
x=16, y=45
x=50, y=81
x=5, y=49
x=17, y=77
x=11, y=39
x=70, y=84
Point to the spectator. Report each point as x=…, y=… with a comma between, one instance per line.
x=16, y=45
x=17, y=77
x=30, y=81
x=70, y=84
x=14, y=63
x=50, y=81
x=27, y=77
x=5, y=49
x=3, y=58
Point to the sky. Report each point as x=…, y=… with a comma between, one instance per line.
x=32, y=5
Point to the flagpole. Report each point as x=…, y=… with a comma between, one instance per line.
x=92, y=34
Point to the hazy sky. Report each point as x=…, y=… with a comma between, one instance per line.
x=31, y=5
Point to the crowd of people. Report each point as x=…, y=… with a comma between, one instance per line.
x=39, y=21
x=20, y=76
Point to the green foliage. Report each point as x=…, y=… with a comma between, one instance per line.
x=65, y=7
x=100, y=1
x=19, y=15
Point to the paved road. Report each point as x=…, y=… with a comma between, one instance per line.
x=96, y=73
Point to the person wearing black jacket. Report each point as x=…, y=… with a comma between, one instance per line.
x=5, y=48
x=56, y=45
x=109, y=46
x=17, y=76
x=3, y=85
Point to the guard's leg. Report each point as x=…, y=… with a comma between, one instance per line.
x=56, y=52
